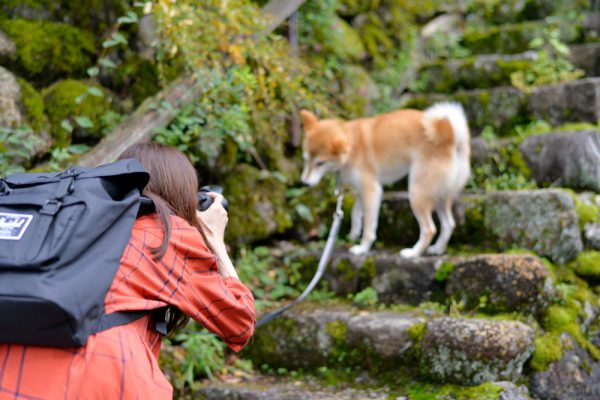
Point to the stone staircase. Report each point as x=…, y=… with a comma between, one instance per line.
x=508, y=313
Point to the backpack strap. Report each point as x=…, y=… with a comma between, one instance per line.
x=51, y=208
x=120, y=318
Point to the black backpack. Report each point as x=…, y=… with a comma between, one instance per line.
x=61, y=239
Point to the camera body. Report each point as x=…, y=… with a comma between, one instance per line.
x=205, y=201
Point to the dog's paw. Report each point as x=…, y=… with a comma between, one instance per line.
x=409, y=253
x=436, y=250
x=358, y=249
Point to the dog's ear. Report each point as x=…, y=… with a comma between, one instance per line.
x=339, y=146
x=308, y=119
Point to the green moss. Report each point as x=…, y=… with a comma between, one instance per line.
x=484, y=391
x=548, y=349
x=559, y=319
x=587, y=264
x=48, y=51
x=33, y=106
x=416, y=332
x=61, y=104
x=258, y=206
x=444, y=270
x=337, y=330
x=587, y=213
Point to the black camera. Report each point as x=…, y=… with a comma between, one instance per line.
x=205, y=201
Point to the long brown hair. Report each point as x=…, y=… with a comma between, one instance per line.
x=173, y=185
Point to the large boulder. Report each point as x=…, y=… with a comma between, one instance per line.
x=62, y=104
x=10, y=112
x=570, y=159
x=472, y=351
x=48, y=51
x=575, y=376
x=7, y=46
x=501, y=283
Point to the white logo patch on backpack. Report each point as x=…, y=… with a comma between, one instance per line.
x=13, y=226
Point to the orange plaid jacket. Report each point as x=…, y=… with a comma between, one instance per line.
x=122, y=362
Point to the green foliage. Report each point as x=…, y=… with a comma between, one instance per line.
x=446, y=45
x=324, y=31
x=48, y=51
x=444, y=270
x=505, y=169
x=551, y=66
x=16, y=148
x=62, y=157
x=365, y=298
x=267, y=278
x=252, y=84
x=72, y=112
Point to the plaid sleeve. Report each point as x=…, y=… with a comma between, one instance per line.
x=186, y=277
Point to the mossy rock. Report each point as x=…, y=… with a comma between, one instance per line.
x=515, y=38
x=358, y=91
x=257, y=205
x=471, y=73
x=510, y=11
x=61, y=104
x=587, y=265
x=48, y=51
x=501, y=108
x=28, y=9
x=341, y=39
x=34, y=110
x=473, y=351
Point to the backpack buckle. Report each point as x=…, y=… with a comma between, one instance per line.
x=51, y=207
x=4, y=188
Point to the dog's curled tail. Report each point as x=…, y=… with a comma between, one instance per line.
x=446, y=123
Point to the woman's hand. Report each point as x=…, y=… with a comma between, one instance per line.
x=214, y=219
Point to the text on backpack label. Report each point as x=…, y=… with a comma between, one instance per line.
x=13, y=226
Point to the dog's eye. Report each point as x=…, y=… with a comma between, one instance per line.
x=320, y=163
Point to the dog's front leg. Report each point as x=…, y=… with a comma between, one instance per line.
x=371, y=194
x=356, y=218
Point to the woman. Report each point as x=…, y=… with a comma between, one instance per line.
x=177, y=257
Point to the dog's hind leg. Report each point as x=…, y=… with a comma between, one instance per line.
x=444, y=212
x=422, y=206
x=356, y=218
x=371, y=196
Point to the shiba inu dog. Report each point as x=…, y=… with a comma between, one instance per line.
x=431, y=146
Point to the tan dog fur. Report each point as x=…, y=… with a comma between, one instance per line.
x=431, y=146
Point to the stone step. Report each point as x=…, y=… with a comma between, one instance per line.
x=492, y=70
x=493, y=283
x=309, y=388
x=274, y=388
x=543, y=221
x=515, y=38
x=503, y=108
x=560, y=158
x=466, y=351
